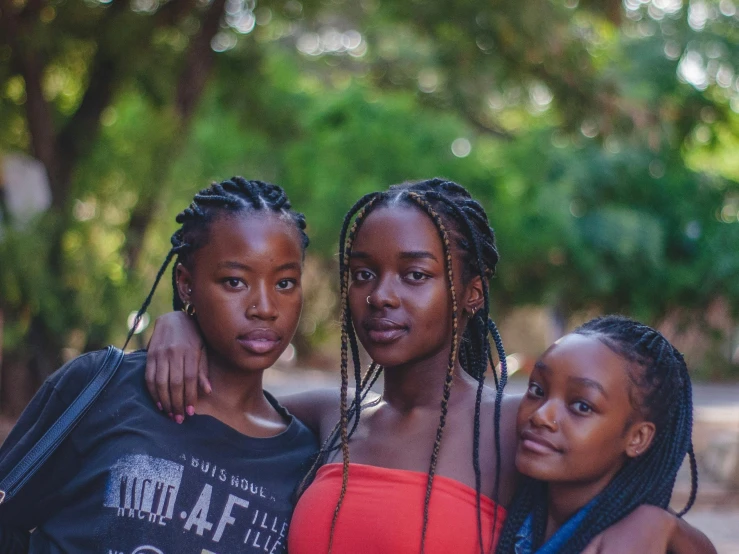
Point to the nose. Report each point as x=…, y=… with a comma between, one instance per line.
x=384, y=294
x=261, y=304
x=545, y=416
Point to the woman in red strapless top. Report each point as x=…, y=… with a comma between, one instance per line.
x=425, y=451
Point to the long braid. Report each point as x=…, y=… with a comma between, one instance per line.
x=476, y=242
x=452, y=357
x=662, y=383
x=473, y=208
x=329, y=444
x=498, y=401
x=229, y=196
x=363, y=204
x=346, y=331
x=142, y=310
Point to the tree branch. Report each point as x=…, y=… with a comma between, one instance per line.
x=198, y=62
x=38, y=112
x=80, y=132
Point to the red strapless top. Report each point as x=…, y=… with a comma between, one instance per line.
x=382, y=513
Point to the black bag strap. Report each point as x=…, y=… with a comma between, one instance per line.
x=52, y=438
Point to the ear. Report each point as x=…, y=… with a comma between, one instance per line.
x=184, y=282
x=473, y=295
x=639, y=438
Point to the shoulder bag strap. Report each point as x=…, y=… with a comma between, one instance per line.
x=50, y=441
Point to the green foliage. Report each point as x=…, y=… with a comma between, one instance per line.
x=600, y=138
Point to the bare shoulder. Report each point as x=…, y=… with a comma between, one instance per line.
x=313, y=407
x=508, y=437
x=320, y=409
x=510, y=404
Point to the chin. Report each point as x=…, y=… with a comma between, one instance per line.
x=539, y=469
x=388, y=361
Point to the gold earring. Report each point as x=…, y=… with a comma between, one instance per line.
x=189, y=309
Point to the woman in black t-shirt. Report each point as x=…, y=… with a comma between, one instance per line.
x=129, y=480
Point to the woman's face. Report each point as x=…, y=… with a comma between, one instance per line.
x=245, y=288
x=576, y=422
x=399, y=294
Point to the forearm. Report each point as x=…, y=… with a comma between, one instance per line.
x=686, y=539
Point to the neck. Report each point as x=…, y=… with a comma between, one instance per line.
x=234, y=390
x=418, y=384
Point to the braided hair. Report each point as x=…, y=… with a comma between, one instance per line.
x=464, y=230
x=663, y=397
x=228, y=197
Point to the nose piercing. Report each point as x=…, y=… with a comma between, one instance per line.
x=368, y=300
x=554, y=422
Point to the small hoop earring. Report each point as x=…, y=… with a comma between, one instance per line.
x=368, y=300
x=189, y=309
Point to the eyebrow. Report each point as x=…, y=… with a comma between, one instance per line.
x=234, y=265
x=289, y=265
x=410, y=255
x=418, y=255
x=589, y=383
x=244, y=267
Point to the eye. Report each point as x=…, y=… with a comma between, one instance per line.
x=234, y=283
x=416, y=276
x=286, y=284
x=582, y=407
x=534, y=390
x=362, y=275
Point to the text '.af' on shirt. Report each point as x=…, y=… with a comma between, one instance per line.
x=128, y=480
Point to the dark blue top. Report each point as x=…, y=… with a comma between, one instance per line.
x=128, y=480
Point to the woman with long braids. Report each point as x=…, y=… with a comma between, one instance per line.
x=128, y=479
x=603, y=428
x=428, y=465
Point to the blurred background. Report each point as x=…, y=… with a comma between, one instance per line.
x=601, y=137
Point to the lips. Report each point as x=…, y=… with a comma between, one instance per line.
x=533, y=442
x=383, y=330
x=260, y=341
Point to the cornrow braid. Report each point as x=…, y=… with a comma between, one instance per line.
x=231, y=196
x=663, y=395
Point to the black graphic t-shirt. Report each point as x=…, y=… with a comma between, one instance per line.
x=128, y=480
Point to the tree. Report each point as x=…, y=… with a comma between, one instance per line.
x=596, y=134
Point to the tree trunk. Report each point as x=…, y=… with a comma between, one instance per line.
x=16, y=387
